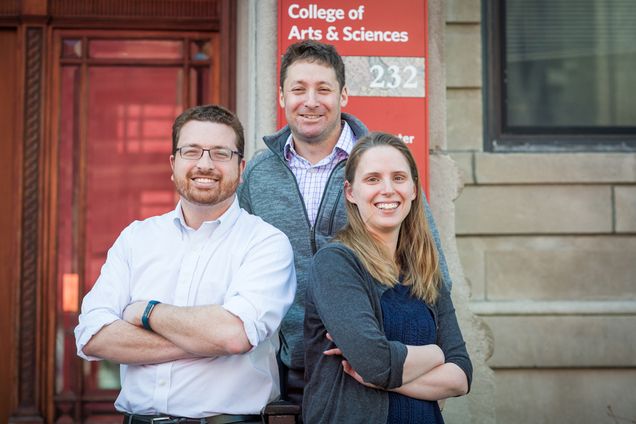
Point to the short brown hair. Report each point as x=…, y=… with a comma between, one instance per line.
x=312, y=51
x=209, y=113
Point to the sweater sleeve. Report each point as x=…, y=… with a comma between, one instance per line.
x=449, y=335
x=348, y=306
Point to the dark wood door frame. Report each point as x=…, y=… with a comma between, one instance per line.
x=33, y=350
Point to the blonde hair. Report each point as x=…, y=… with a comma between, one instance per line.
x=416, y=259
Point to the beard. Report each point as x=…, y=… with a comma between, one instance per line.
x=223, y=189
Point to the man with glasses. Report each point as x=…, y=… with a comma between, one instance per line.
x=189, y=302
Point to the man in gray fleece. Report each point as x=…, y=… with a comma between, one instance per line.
x=297, y=183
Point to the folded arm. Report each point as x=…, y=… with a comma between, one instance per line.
x=206, y=330
x=124, y=343
x=258, y=297
x=444, y=381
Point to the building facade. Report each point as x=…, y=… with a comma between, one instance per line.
x=533, y=183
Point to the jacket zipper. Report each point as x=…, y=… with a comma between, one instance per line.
x=314, y=247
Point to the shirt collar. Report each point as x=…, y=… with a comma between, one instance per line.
x=344, y=144
x=229, y=216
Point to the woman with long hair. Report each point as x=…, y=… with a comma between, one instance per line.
x=382, y=343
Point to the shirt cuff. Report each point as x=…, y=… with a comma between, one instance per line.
x=246, y=312
x=84, y=332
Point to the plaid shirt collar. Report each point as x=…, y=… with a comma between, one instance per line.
x=342, y=148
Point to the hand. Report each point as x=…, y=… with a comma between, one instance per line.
x=346, y=366
x=134, y=312
x=332, y=352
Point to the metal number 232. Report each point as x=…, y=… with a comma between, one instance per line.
x=391, y=77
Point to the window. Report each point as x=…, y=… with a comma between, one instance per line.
x=561, y=75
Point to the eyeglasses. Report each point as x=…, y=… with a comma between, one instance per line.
x=217, y=154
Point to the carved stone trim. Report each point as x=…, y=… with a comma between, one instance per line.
x=28, y=325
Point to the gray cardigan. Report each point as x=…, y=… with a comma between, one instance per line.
x=344, y=300
x=270, y=190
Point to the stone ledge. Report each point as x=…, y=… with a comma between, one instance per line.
x=571, y=168
x=529, y=308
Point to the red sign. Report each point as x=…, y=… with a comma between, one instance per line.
x=384, y=46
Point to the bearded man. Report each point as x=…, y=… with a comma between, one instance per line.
x=190, y=302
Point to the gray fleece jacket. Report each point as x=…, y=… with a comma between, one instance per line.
x=270, y=190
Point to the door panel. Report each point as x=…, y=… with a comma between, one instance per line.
x=118, y=96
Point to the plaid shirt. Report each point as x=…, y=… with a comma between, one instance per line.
x=312, y=179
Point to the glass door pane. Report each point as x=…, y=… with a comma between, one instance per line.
x=130, y=115
x=114, y=143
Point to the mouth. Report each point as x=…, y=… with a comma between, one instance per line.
x=387, y=206
x=204, y=181
x=310, y=117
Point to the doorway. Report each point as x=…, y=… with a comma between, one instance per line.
x=116, y=95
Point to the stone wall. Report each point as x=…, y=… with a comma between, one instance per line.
x=548, y=243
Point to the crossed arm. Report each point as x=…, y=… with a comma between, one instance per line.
x=340, y=292
x=258, y=295
x=178, y=333
x=425, y=374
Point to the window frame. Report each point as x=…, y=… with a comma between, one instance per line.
x=498, y=138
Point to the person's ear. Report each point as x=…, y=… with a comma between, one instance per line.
x=344, y=96
x=348, y=189
x=241, y=169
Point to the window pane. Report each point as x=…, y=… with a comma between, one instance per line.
x=67, y=281
x=570, y=63
x=136, y=49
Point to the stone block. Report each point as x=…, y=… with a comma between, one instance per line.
x=463, y=56
x=474, y=266
x=550, y=268
x=561, y=273
x=533, y=168
x=584, y=341
x=464, y=162
x=464, y=119
x=534, y=210
x=625, y=207
x=463, y=11
x=588, y=396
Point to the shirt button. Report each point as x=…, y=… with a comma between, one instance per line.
x=162, y=383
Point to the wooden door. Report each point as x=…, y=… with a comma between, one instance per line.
x=118, y=93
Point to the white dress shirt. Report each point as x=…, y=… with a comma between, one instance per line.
x=237, y=261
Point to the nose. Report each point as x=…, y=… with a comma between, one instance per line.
x=387, y=186
x=311, y=99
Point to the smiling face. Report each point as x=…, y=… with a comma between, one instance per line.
x=383, y=190
x=312, y=98
x=204, y=182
